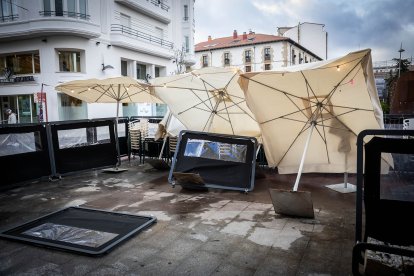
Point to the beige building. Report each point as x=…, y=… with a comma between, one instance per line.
x=252, y=52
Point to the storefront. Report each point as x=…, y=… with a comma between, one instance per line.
x=26, y=108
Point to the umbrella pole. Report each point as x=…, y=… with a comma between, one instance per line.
x=116, y=135
x=302, y=161
x=163, y=146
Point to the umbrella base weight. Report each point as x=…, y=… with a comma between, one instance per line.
x=290, y=203
x=114, y=170
x=342, y=188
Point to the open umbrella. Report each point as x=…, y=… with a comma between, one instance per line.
x=314, y=112
x=110, y=90
x=209, y=100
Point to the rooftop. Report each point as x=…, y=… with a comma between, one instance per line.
x=236, y=40
x=215, y=232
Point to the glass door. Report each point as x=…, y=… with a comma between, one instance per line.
x=25, y=109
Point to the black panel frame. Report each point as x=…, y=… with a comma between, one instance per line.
x=216, y=173
x=15, y=233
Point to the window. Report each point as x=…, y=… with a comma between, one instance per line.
x=187, y=44
x=205, y=61
x=47, y=8
x=157, y=72
x=67, y=100
x=71, y=8
x=59, y=7
x=267, y=54
x=248, y=69
x=69, y=61
x=267, y=67
x=226, y=58
x=306, y=59
x=248, y=56
x=293, y=57
x=21, y=63
x=124, y=68
x=185, y=12
x=300, y=58
x=7, y=11
x=125, y=20
x=141, y=71
x=83, y=7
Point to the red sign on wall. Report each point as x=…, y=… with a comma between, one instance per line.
x=40, y=99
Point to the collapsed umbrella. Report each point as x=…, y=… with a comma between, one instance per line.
x=314, y=112
x=209, y=100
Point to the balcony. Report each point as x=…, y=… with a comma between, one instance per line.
x=48, y=23
x=127, y=37
x=65, y=14
x=9, y=18
x=153, y=8
x=267, y=57
x=226, y=61
x=247, y=59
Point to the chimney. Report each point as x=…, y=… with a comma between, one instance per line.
x=209, y=38
x=244, y=36
x=235, y=34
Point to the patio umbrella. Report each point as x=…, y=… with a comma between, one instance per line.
x=209, y=100
x=316, y=108
x=110, y=90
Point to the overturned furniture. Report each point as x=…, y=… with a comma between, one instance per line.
x=80, y=230
x=386, y=246
x=209, y=160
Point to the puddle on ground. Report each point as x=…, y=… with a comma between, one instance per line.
x=160, y=215
x=76, y=202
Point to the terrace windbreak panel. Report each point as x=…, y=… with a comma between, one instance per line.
x=221, y=161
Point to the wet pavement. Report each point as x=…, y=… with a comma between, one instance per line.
x=213, y=232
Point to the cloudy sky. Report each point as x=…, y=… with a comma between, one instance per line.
x=351, y=24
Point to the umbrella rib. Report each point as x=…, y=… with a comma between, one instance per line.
x=353, y=108
x=195, y=106
x=349, y=129
x=209, y=99
x=276, y=89
x=304, y=128
x=329, y=96
x=208, y=120
x=324, y=139
x=283, y=116
x=308, y=86
x=243, y=111
x=228, y=115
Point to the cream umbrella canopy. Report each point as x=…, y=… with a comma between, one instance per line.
x=209, y=99
x=110, y=90
x=334, y=99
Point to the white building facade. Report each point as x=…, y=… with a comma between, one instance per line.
x=312, y=36
x=47, y=42
x=253, y=52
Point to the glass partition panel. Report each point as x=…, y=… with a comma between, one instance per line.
x=17, y=143
x=215, y=150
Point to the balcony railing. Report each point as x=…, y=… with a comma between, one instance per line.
x=248, y=59
x=267, y=57
x=9, y=18
x=161, y=4
x=65, y=14
x=117, y=28
x=226, y=61
x=205, y=64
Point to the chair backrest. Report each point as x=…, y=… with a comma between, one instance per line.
x=389, y=203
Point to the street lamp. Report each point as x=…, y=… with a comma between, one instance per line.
x=399, y=63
